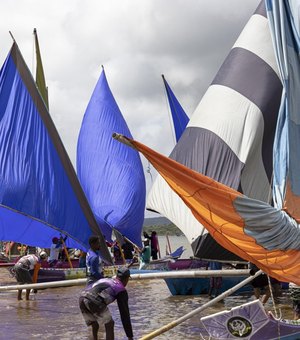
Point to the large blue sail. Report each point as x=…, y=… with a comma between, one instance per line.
x=110, y=173
x=284, y=25
x=40, y=194
x=179, y=117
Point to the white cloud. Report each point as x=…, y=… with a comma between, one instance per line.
x=136, y=41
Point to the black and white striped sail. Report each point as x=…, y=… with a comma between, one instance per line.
x=230, y=135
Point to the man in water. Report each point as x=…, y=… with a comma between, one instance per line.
x=94, y=263
x=25, y=269
x=95, y=298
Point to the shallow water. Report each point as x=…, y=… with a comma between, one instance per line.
x=54, y=314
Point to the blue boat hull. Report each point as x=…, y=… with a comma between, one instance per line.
x=197, y=286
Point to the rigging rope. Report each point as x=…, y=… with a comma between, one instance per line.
x=149, y=171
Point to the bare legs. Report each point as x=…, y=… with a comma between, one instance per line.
x=95, y=328
x=20, y=294
x=109, y=329
x=265, y=297
x=27, y=293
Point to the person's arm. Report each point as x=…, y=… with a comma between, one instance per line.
x=36, y=269
x=122, y=299
x=61, y=241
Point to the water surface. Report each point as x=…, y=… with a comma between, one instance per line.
x=54, y=314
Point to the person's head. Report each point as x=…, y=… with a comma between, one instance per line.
x=55, y=240
x=43, y=256
x=94, y=242
x=146, y=242
x=153, y=233
x=117, y=252
x=123, y=274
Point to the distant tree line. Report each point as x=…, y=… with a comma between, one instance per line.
x=171, y=229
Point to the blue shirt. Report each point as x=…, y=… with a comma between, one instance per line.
x=94, y=266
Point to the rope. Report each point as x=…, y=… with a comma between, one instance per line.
x=149, y=172
x=272, y=297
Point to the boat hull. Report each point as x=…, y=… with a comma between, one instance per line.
x=198, y=286
x=60, y=274
x=249, y=321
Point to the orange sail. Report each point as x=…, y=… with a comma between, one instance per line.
x=250, y=228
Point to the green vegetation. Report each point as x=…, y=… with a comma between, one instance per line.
x=169, y=229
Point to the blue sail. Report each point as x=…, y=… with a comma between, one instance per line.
x=284, y=26
x=110, y=173
x=40, y=194
x=180, y=118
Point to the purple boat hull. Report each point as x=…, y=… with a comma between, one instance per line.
x=249, y=321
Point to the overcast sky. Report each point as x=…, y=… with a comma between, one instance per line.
x=136, y=41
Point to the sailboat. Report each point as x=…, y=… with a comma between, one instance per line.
x=265, y=234
x=40, y=192
x=111, y=175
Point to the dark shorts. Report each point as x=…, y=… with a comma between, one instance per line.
x=215, y=282
x=94, y=313
x=22, y=275
x=260, y=281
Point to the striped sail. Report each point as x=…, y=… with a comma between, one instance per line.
x=230, y=135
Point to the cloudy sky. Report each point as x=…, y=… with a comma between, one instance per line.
x=136, y=41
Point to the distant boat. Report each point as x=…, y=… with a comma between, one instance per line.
x=40, y=194
x=111, y=174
